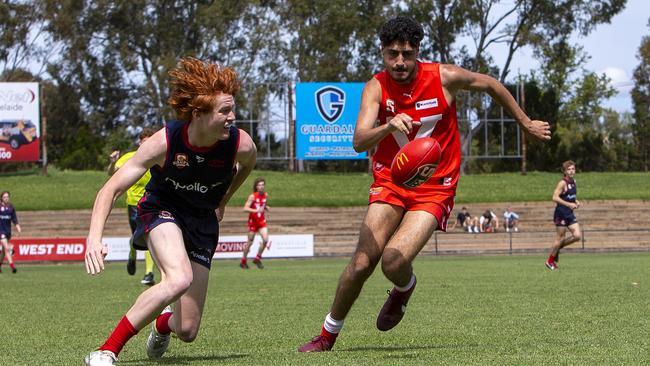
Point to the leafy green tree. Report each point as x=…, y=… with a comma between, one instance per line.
x=24, y=40
x=534, y=23
x=641, y=101
x=443, y=22
x=333, y=40
x=119, y=52
x=579, y=126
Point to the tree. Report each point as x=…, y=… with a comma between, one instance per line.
x=333, y=40
x=119, y=52
x=534, y=23
x=641, y=101
x=443, y=22
x=23, y=38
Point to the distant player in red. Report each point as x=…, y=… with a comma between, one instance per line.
x=256, y=207
x=410, y=99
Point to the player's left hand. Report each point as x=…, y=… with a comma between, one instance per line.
x=539, y=130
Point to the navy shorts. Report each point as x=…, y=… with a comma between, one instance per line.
x=4, y=235
x=564, y=217
x=132, y=211
x=200, y=233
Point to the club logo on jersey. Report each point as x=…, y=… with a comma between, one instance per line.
x=446, y=181
x=166, y=215
x=390, y=105
x=378, y=166
x=426, y=104
x=180, y=161
x=199, y=159
x=330, y=101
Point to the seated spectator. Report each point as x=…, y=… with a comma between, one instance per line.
x=466, y=221
x=510, y=220
x=489, y=222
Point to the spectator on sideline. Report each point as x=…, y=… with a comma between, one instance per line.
x=133, y=195
x=7, y=216
x=565, y=196
x=256, y=207
x=489, y=222
x=403, y=102
x=510, y=220
x=197, y=162
x=466, y=221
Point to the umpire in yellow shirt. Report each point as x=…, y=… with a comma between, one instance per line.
x=133, y=195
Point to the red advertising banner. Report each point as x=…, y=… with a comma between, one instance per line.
x=49, y=249
x=19, y=122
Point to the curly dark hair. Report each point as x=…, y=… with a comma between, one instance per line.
x=402, y=29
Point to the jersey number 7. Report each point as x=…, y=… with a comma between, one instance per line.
x=428, y=124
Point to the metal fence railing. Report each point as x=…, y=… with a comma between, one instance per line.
x=523, y=242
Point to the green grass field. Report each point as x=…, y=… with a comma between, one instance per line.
x=77, y=189
x=466, y=310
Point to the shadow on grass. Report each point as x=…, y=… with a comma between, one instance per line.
x=407, y=348
x=185, y=360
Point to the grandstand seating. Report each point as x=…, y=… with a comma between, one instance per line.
x=608, y=225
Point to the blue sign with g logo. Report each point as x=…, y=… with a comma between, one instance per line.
x=326, y=115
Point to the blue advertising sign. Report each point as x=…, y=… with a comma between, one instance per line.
x=326, y=114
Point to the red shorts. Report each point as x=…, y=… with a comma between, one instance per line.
x=254, y=225
x=437, y=203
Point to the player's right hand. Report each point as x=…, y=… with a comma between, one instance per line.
x=403, y=122
x=95, y=253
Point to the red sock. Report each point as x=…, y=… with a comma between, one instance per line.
x=122, y=333
x=551, y=258
x=258, y=257
x=162, y=323
x=330, y=336
x=243, y=261
x=12, y=265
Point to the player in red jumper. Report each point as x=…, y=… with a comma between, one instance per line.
x=409, y=99
x=256, y=207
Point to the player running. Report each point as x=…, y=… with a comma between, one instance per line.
x=196, y=164
x=565, y=196
x=410, y=99
x=256, y=207
x=7, y=216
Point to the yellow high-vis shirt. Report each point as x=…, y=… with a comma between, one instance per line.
x=137, y=190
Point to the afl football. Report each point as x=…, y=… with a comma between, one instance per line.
x=415, y=162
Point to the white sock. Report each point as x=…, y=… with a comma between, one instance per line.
x=408, y=286
x=332, y=325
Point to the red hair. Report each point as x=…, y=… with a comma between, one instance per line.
x=196, y=85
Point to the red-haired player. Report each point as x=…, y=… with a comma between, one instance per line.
x=256, y=207
x=196, y=162
x=409, y=99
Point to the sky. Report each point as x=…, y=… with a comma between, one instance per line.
x=613, y=49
